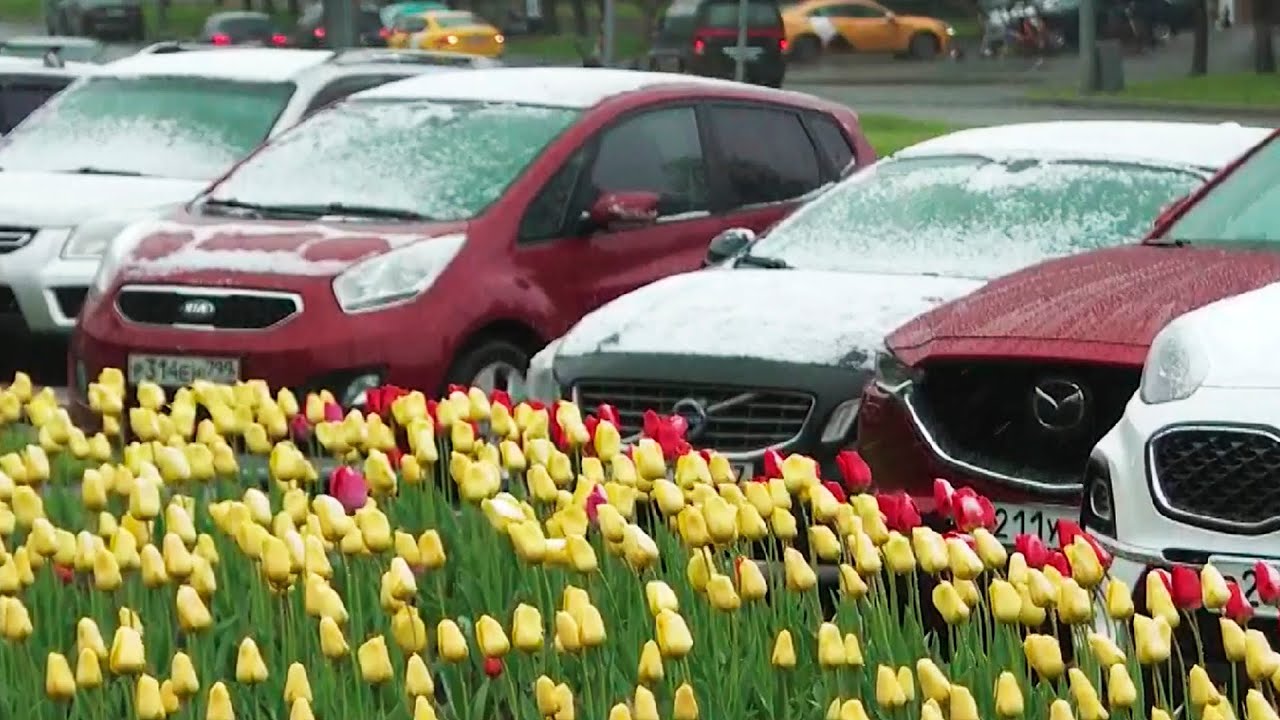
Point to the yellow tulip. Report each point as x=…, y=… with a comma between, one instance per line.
x=931, y=710
x=949, y=603
x=88, y=637
x=964, y=562
x=685, y=706
x=721, y=593
x=830, y=646
x=783, y=524
x=1159, y=601
x=852, y=585
x=1075, y=606
x=1105, y=651
x=644, y=703
x=698, y=571
x=784, y=651
x=59, y=683
x=250, y=668
x=1213, y=588
x=408, y=629
x=375, y=663
x=450, y=643
x=672, y=634
x=1086, y=569
x=1006, y=605
x=1149, y=640
x=152, y=565
x=889, y=693
x=799, y=574
x=1233, y=639
x=219, y=707
x=182, y=673
x=650, y=670
x=88, y=670
x=491, y=638
x=1257, y=707
x=619, y=712
x=417, y=678
x=193, y=615
x=751, y=581
x=1031, y=615
x=962, y=705
x=300, y=709
x=106, y=571
x=898, y=555
x=1121, y=693
x=824, y=542
x=431, y=550
x=332, y=642
x=582, y=556
x=852, y=650
x=591, y=631
x=526, y=628
x=1259, y=659
x=1009, y=703
x=169, y=699
x=1044, y=655
x=565, y=709
x=147, y=703
x=27, y=505
x=990, y=550
x=933, y=683
x=1060, y=710
x=544, y=693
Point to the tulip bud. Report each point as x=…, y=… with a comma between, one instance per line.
x=1257, y=707
x=1105, y=650
x=59, y=684
x=784, y=651
x=1006, y=605
x=1044, y=655
x=450, y=643
x=526, y=628
x=250, y=667
x=949, y=603
x=1233, y=639
x=933, y=683
x=721, y=593
x=889, y=694
x=1259, y=659
x=375, y=663
x=1121, y=693
x=650, y=671
x=332, y=644
x=800, y=576
x=830, y=646
x=1213, y=588
x=1009, y=702
x=88, y=670
x=219, y=706
x=126, y=656
x=685, y=706
x=182, y=673
x=963, y=706
x=645, y=704
x=674, y=639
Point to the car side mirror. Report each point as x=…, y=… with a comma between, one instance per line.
x=623, y=208
x=727, y=244
x=890, y=17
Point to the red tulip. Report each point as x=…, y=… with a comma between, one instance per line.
x=432, y=408
x=595, y=499
x=378, y=400
x=347, y=486
x=971, y=510
x=706, y=455
x=899, y=511
x=394, y=456
x=610, y=413
x=668, y=432
x=1237, y=607
x=1185, y=588
x=854, y=470
x=942, y=494
x=455, y=387
x=1058, y=561
x=65, y=574
x=834, y=488
x=493, y=666
x=536, y=404
x=772, y=463
x=966, y=537
x=557, y=435
x=590, y=422
x=500, y=397
x=1268, y=580
x=1033, y=549
x=332, y=412
x=299, y=429
x=1068, y=531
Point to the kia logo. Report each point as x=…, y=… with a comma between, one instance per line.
x=197, y=309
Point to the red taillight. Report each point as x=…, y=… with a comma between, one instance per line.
x=318, y=33
x=699, y=46
x=279, y=39
x=221, y=39
x=384, y=33
x=782, y=45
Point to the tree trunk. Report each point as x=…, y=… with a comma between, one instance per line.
x=551, y=17
x=580, y=17
x=1200, y=41
x=1264, y=52
x=294, y=9
x=269, y=7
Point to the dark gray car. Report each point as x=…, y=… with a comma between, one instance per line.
x=106, y=19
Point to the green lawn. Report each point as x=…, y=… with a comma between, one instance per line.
x=1241, y=90
x=890, y=133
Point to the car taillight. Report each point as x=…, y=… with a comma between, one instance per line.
x=221, y=39
x=452, y=39
x=384, y=33
x=318, y=33
x=699, y=46
x=279, y=39
x=782, y=45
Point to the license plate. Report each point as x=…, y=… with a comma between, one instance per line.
x=181, y=370
x=748, y=54
x=1038, y=520
x=1242, y=572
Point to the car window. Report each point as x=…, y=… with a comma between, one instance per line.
x=344, y=86
x=784, y=167
x=19, y=97
x=832, y=142
x=547, y=216
x=851, y=11
x=179, y=127
x=972, y=216
x=442, y=160
x=679, y=22
x=1244, y=207
x=242, y=27
x=411, y=23
x=453, y=20
x=724, y=15
x=656, y=151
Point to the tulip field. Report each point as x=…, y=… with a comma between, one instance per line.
x=483, y=559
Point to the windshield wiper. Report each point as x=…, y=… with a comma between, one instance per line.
x=90, y=170
x=367, y=211
x=762, y=261
x=1169, y=242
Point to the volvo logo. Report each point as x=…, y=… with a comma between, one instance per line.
x=196, y=310
x=1058, y=404
x=694, y=412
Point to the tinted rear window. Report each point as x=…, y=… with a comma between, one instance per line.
x=242, y=26
x=20, y=97
x=725, y=15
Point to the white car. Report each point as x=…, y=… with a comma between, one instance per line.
x=138, y=136
x=772, y=348
x=1191, y=473
x=27, y=83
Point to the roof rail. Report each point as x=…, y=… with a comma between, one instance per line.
x=166, y=47
x=52, y=58
x=354, y=56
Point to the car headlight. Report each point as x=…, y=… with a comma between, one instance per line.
x=541, y=383
x=1176, y=366
x=397, y=276
x=950, y=31
x=116, y=250
x=89, y=240
x=892, y=374
x=841, y=420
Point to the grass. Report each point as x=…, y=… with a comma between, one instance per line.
x=890, y=133
x=1230, y=90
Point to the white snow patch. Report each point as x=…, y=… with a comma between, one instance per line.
x=274, y=262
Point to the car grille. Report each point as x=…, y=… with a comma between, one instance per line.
x=1215, y=476
x=986, y=415
x=225, y=309
x=748, y=419
x=12, y=238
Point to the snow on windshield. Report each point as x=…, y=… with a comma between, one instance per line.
x=447, y=161
x=972, y=217
x=176, y=127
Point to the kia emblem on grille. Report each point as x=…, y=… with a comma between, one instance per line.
x=694, y=412
x=1058, y=404
x=197, y=310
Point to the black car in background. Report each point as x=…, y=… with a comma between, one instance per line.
x=310, y=30
x=107, y=19
x=242, y=28
x=700, y=37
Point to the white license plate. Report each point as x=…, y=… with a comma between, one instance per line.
x=180, y=370
x=1234, y=568
x=1038, y=520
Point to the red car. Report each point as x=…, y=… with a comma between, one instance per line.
x=443, y=230
x=1009, y=388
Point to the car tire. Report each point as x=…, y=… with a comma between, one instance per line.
x=923, y=46
x=806, y=49
x=492, y=363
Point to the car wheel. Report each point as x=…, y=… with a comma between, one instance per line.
x=923, y=46
x=806, y=48
x=490, y=365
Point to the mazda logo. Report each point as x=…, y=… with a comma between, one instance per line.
x=1058, y=404
x=197, y=309
x=694, y=412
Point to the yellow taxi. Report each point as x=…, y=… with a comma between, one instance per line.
x=446, y=31
x=817, y=26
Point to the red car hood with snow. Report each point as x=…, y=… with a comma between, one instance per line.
x=215, y=250
x=1104, y=306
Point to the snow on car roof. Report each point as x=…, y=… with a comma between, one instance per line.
x=568, y=87
x=247, y=64
x=1203, y=145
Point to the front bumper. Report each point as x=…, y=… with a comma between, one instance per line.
x=40, y=292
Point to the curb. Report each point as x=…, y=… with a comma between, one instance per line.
x=915, y=80
x=1104, y=103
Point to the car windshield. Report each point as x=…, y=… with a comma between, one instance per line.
x=725, y=15
x=968, y=216
x=1243, y=208
x=450, y=159
x=178, y=127
x=453, y=20
x=240, y=26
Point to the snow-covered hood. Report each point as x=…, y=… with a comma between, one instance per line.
x=801, y=316
x=64, y=200
x=1237, y=335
